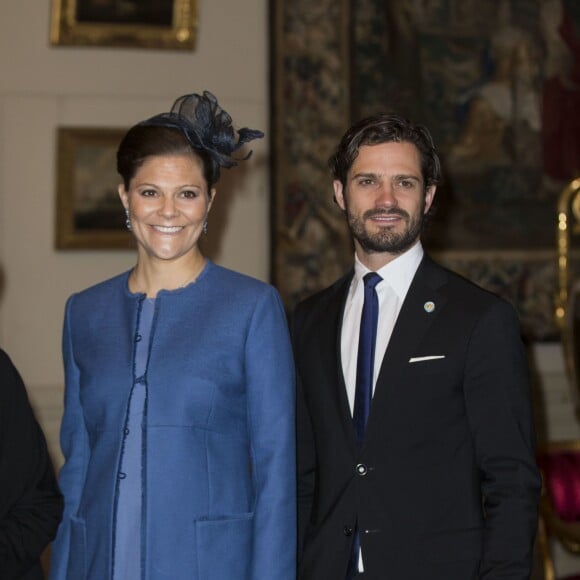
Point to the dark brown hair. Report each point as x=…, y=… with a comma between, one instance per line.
x=143, y=141
x=385, y=128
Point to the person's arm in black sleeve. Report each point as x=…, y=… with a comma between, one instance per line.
x=30, y=501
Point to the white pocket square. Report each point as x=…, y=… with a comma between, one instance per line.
x=424, y=358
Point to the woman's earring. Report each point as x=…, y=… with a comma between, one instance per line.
x=128, y=219
x=205, y=227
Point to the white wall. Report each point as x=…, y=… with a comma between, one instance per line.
x=43, y=88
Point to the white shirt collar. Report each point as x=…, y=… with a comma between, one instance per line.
x=398, y=273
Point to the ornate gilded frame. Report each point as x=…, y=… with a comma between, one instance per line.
x=567, y=300
x=568, y=226
x=89, y=214
x=68, y=30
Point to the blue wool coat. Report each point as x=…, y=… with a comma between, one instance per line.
x=218, y=433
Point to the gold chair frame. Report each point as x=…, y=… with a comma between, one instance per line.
x=568, y=291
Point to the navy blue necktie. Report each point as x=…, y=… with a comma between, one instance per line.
x=364, y=382
x=366, y=356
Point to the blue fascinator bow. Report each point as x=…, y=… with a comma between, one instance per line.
x=207, y=127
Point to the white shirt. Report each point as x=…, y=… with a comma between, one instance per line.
x=396, y=276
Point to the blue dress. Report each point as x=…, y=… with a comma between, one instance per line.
x=127, y=535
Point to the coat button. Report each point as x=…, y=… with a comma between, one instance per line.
x=347, y=531
x=361, y=469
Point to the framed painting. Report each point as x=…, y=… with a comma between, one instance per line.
x=89, y=214
x=157, y=24
x=492, y=79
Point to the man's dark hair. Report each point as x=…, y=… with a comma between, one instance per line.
x=386, y=128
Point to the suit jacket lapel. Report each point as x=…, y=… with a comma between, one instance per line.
x=413, y=322
x=330, y=335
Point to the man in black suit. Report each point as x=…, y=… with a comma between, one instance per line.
x=415, y=437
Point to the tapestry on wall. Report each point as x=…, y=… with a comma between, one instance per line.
x=497, y=84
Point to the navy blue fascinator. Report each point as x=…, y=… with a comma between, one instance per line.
x=207, y=127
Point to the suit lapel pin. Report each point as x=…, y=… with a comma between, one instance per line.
x=429, y=306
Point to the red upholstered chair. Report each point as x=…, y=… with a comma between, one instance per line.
x=560, y=502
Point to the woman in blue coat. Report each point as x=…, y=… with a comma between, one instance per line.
x=178, y=430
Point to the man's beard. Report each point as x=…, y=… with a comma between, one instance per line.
x=385, y=239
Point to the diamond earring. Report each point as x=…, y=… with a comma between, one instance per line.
x=128, y=219
x=205, y=227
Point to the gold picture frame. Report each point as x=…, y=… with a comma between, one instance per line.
x=89, y=214
x=154, y=24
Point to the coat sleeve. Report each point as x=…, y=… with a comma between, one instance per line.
x=498, y=403
x=270, y=389
x=31, y=503
x=75, y=448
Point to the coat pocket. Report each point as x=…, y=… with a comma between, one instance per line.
x=78, y=550
x=224, y=547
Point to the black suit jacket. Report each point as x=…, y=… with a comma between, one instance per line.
x=445, y=486
x=30, y=501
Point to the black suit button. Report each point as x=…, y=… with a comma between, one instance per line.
x=361, y=469
x=347, y=531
